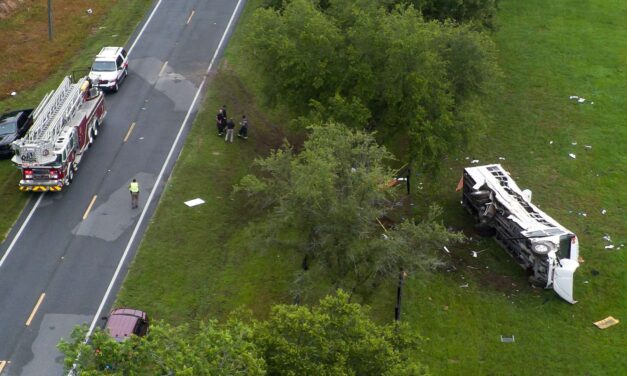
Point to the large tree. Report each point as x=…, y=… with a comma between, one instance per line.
x=326, y=203
x=414, y=81
x=333, y=338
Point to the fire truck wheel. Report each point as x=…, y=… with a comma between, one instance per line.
x=96, y=128
x=70, y=177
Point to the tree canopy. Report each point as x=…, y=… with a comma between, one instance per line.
x=332, y=338
x=390, y=70
x=326, y=203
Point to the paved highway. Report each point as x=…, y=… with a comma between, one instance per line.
x=66, y=256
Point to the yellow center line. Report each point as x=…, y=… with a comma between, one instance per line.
x=3, y=363
x=190, y=17
x=130, y=129
x=89, y=207
x=163, y=68
x=32, y=314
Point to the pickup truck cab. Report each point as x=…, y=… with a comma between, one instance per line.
x=13, y=126
x=110, y=68
x=124, y=322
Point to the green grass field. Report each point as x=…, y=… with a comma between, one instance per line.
x=71, y=50
x=199, y=263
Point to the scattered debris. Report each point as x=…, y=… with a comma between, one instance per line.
x=573, y=97
x=385, y=236
x=574, y=143
x=573, y=156
x=474, y=161
x=581, y=100
x=464, y=286
x=603, y=211
x=446, y=249
x=580, y=260
x=588, y=146
x=607, y=238
x=501, y=158
x=551, y=142
x=606, y=322
x=586, y=282
x=13, y=93
x=194, y=202
x=476, y=253
x=507, y=339
x=611, y=246
x=90, y=11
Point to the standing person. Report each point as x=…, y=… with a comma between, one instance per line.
x=243, y=130
x=230, y=127
x=134, y=189
x=224, y=112
x=221, y=121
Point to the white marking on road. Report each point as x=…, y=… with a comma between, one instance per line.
x=190, y=17
x=130, y=129
x=144, y=28
x=32, y=314
x=154, y=189
x=19, y=232
x=162, y=69
x=89, y=207
x=3, y=363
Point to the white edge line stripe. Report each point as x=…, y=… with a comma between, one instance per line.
x=144, y=28
x=19, y=232
x=154, y=189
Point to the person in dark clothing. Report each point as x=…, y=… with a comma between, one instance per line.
x=230, y=128
x=243, y=130
x=221, y=121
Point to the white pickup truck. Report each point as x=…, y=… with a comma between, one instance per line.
x=547, y=250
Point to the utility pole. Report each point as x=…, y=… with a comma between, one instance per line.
x=49, y=19
x=399, y=294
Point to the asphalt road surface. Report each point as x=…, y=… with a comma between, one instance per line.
x=58, y=269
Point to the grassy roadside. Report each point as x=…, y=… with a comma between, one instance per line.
x=196, y=263
x=38, y=66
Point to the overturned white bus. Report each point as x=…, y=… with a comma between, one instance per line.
x=547, y=250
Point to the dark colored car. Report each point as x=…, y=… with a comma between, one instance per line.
x=13, y=126
x=124, y=322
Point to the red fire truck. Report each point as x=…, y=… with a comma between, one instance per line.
x=65, y=124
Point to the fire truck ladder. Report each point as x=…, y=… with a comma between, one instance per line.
x=54, y=111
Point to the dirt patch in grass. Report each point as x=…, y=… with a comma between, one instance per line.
x=9, y=6
x=24, y=37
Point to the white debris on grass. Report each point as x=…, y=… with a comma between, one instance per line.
x=501, y=158
x=574, y=143
x=13, y=93
x=611, y=246
x=573, y=156
x=446, y=250
x=603, y=211
x=607, y=238
x=573, y=97
x=474, y=161
x=465, y=285
x=551, y=142
x=90, y=11
x=588, y=146
x=194, y=202
x=581, y=100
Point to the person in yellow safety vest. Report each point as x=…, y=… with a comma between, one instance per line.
x=134, y=189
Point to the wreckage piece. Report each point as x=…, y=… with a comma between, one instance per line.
x=540, y=245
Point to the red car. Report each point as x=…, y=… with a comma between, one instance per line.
x=124, y=322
